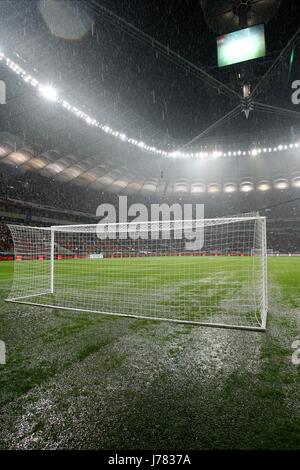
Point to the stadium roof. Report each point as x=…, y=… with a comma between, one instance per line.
x=262, y=172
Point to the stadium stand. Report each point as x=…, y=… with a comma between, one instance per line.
x=24, y=198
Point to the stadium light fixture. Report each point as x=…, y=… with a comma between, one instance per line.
x=296, y=182
x=48, y=92
x=197, y=188
x=264, y=186
x=230, y=188
x=217, y=154
x=246, y=187
x=214, y=188
x=281, y=184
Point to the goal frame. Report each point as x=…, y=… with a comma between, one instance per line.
x=68, y=228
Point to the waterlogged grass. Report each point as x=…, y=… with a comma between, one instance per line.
x=223, y=289
x=83, y=380
x=285, y=272
x=41, y=354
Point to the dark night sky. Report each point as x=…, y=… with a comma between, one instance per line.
x=130, y=85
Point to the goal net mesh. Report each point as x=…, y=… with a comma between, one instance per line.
x=211, y=271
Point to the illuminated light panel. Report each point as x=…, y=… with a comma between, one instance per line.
x=5, y=149
x=37, y=163
x=197, y=188
x=264, y=186
x=230, y=188
x=246, y=187
x=150, y=186
x=213, y=188
x=296, y=182
x=281, y=184
x=19, y=157
x=180, y=188
x=49, y=92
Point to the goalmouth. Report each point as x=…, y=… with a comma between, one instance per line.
x=205, y=272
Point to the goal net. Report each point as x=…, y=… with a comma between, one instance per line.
x=209, y=272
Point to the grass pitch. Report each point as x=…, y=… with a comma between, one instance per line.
x=83, y=380
x=198, y=289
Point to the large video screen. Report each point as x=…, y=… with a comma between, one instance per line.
x=240, y=46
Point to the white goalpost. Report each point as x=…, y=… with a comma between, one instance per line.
x=205, y=272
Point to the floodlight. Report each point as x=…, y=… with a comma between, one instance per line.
x=281, y=184
x=264, y=186
x=246, y=187
x=48, y=92
x=296, y=182
x=230, y=188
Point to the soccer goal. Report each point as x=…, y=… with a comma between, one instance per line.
x=205, y=272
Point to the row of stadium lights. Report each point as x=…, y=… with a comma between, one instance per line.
x=50, y=93
x=247, y=186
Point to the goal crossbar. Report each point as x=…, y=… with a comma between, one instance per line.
x=152, y=224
